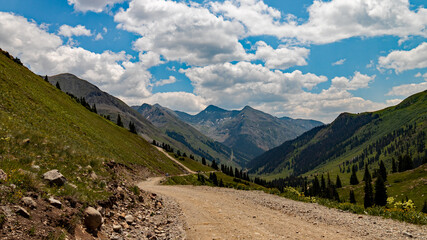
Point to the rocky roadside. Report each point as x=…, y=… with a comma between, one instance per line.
x=129, y=213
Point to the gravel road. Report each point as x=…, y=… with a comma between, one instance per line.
x=219, y=213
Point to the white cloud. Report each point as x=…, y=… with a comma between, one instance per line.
x=99, y=37
x=339, y=62
x=329, y=21
x=236, y=85
x=181, y=101
x=163, y=82
x=418, y=75
x=281, y=58
x=45, y=54
x=393, y=102
x=407, y=90
x=357, y=81
x=182, y=32
x=405, y=60
x=69, y=31
x=92, y=5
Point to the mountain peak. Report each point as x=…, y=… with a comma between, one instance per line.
x=213, y=108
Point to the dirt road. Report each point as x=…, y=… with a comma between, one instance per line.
x=173, y=159
x=218, y=213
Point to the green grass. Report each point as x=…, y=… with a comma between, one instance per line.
x=409, y=184
x=63, y=135
x=192, y=164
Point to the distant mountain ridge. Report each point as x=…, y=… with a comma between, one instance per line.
x=109, y=105
x=353, y=139
x=174, y=127
x=249, y=130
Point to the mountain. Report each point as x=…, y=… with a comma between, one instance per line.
x=249, y=130
x=42, y=128
x=201, y=145
x=108, y=105
x=353, y=139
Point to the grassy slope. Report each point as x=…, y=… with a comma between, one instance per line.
x=391, y=119
x=63, y=134
x=411, y=184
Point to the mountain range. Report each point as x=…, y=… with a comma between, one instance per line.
x=249, y=130
x=352, y=139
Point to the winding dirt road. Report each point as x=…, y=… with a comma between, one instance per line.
x=218, y=213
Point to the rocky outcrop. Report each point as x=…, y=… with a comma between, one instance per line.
x=54, y=177
x=92, y=218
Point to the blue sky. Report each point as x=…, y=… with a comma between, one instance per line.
x=303, y=59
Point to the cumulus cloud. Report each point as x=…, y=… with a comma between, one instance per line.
x=281, y=58
x=92, y=5
x=357, y=81
x=339, y=62
x=405, y=60
x=234, y=85
x=69, y=31
x=46, y=54
x=163, y=82
x=182, y=101
x=329, y=21
x=99, y=37
x=182, y=32
x=407, y=90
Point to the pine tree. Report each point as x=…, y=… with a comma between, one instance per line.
x=352, y=198
x=424, y=210
x=338, y=182
x=203, y=161
x=132, y=127
x=58, y=86
x=380, y=192
x=393, y=166
x=316, y=187
x=154, y=142
x=214, y=165
x=322, y=186
x=46, y=78
x=369, y=197
x=119, y=121
x=94, y=109
x=353, y=177
x=383, y=171
x=221, y=183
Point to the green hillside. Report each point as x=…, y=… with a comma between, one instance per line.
x=42, y=126
x=352, y=139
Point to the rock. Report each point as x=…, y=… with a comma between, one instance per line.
x=72, y=185
x=92, y=218
x=3, y=176
x=407, y=234
x=26, y=141
x=29, y=202
x=93, y=176
x=21, y=211
x=129, y=219
x=55, y=202
x=117, y=228
x=12, y=186
x=35, y=168
x=55, y=177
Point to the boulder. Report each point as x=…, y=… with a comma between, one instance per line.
x=3, y=176
x=55, y=177
x=55, y=202
x=92, y=218
x=29, y=202
x=21, y=211
x=129, y=219
x=117, y=228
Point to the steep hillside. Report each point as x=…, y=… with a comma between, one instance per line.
x=353, y=139
x=111, y=106
x=249, y=130
x=42, y=128
x=201, y=145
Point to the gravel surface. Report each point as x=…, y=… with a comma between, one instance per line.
x=219, y=213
